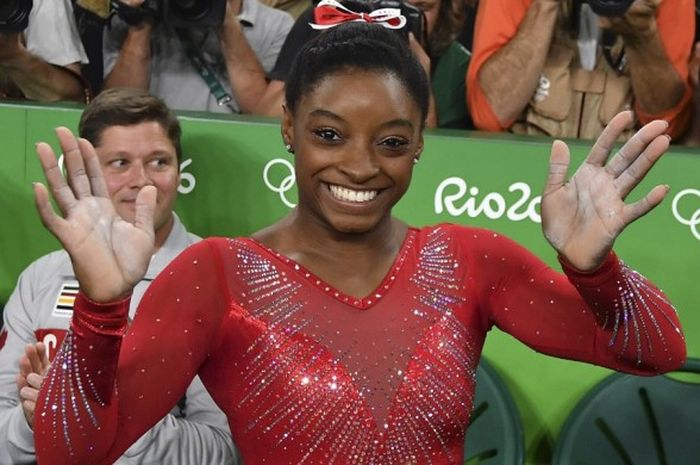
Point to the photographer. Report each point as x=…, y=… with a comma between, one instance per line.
x=445, y=61
x=42, y=62
x=540, y=67
x=197, y=68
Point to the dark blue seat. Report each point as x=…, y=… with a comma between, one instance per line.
x=495, y=433
x=635, y=420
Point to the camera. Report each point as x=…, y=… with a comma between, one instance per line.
x=415, y=19
x=609, y=7
x=178, y=13
x=14, y=15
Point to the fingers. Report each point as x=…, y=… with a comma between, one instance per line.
x=93, y=168
x=604, y=145
x=144, y=208
x=62, y=193
x=30, y=351
x=25, y=368
x=640, y=208
x=29, y=407
x=48, y=217
x=558, y=166
x=635, y=146
x=29, y=394
x=75, y=167
x=43, y=353
x=35, y=381
x=634, y=173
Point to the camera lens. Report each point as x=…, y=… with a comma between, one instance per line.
x=610, y=7
x=14, y=15
x=8, y=10
x=190, y=9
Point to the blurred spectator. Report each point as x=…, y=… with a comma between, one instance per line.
x=137, y=144
x=554, y=67
x=43, y=62
x=444, y=59
x=693, y=136
x=91, y=16
x=196, y=68
x=293, y=7
x=466, y=36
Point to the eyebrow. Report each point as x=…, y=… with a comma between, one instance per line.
x=126, y=154
x=329, y=114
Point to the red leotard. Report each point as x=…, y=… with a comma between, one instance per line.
x=307, y=374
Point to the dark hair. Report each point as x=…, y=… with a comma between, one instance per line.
x=125, y=107
x=358, y=46
x=448, y=25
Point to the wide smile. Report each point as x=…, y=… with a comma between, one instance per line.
x=353, y=196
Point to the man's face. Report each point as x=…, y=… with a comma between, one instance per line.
x=136, y=156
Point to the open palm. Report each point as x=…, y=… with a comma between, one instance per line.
x=583, y=216
x=109, y=254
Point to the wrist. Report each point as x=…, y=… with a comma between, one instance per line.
x=548, y=5
x=230, y=31
x=639, y=38
x=592, y=277
x=142, y=29
x=14, y=57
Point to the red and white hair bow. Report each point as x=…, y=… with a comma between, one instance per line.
x=329, y=13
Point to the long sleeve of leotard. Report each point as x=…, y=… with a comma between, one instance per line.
x=612, y=317
x=110, y=383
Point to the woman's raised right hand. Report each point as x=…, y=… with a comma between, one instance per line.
x=109, y=254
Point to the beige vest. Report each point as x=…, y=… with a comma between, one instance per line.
x=571, y=101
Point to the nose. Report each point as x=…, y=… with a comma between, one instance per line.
x=138, y=176
x=359, y=163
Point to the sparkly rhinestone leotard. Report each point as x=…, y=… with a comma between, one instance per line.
x=309, y=375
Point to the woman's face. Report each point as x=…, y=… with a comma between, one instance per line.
x=355, y=136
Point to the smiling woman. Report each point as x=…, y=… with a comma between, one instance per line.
x=340, y=334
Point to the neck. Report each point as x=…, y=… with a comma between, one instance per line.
x=310, y=237
x=162, y=233
x=353, y=263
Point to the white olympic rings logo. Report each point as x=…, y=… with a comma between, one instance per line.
x=287, y=182
x=694, y=221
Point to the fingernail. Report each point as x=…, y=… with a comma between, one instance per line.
x=669, y=138
x=667, y=123
x=668, y=188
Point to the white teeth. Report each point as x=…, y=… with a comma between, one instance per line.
x=349, y=195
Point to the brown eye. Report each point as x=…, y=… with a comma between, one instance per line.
x=327, y=134
x=394, y=143
x=160, y=162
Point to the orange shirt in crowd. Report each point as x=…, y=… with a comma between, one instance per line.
x=497, y=23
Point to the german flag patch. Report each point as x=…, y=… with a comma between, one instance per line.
x=65, y=300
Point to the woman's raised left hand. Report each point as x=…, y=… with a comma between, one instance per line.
x=582, y=216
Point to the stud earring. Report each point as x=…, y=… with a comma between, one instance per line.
x=415, y=160
x=289, y=148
